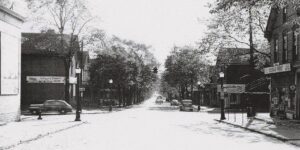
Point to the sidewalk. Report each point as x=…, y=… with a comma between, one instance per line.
x=30, y=129
x=283, y=130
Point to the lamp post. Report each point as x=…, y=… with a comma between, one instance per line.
x=78, y=103
x=199, y=84
x=110, y=81
x=221, y=75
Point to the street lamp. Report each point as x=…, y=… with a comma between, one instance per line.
x=110, y=81
x=78, y=104
x=199, y=84
x=221, y=75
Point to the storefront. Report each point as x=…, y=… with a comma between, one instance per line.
x=283, y=99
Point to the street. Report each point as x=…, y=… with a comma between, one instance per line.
x=150, y=126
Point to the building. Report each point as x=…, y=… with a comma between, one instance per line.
x=243, y=85
x=44, y=67
x=10, y=65
x=282, y=32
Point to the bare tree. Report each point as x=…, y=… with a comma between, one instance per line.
x=69, y=18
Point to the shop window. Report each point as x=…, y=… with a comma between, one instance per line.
x=284, y=49
x=275, y=50
x=295, y=45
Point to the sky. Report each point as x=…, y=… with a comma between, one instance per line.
x=161, y=24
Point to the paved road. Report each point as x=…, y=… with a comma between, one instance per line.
x=154, y=127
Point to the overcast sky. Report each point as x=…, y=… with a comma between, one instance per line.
x=159, y=23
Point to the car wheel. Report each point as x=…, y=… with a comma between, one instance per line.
x=62, y=111
x=33, y=112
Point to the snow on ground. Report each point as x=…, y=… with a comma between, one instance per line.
x=154, y=127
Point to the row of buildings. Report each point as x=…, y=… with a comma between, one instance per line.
x=277, y=88
x=34, y=68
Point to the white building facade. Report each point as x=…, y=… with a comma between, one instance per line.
x=10, y=65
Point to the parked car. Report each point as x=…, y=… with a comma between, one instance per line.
x=186, y=105
x=51, y=105
x=174, y=102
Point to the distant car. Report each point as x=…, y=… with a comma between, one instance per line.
x=186, y=105
x=174, y=102
x=159, y=100
x=51, y=105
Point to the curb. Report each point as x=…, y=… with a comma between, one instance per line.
x=290, y=141
x=40, y=136
x=267, y=134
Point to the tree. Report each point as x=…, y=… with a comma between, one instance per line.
x=184, y=68
x=130, y=65
x=239, y=24
x=67, y=17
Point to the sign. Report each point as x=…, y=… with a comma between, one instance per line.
x=72, y=80
x=278, y=69
x=45, y=79
x=232, y=88
x=292, y=87
x=81, y=89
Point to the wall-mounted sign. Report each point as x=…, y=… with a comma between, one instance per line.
x=232, y=88
x=45, y=79
x=292, y=87
x=278, y=69
x=72, y=80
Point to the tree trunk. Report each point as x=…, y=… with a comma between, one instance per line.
x=251, y=61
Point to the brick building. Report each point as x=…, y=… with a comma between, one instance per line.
x=10, y=64
x=43, y=68
x=282, y=31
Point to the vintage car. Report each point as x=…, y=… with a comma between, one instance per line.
x=186, y=105
x=51, y=105
x=174, y=102
x=159, y=100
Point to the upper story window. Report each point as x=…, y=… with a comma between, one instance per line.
x=284, y=14
x=275, y=50
x=295, y=45
x=284, y=49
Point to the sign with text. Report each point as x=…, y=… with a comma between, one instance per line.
x=278, y=69
x=45, y=79
x=232, y=88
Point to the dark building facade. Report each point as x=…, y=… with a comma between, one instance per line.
x=243, y=85
x=282, y=33
x=44, y=69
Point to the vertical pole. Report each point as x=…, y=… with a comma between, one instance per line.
x=199, y=107
x=222, y=101
x=78, y=107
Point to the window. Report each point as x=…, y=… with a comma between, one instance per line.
x=295, y=45
x=284, y=49
x=275, y=50
x=284, y=14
